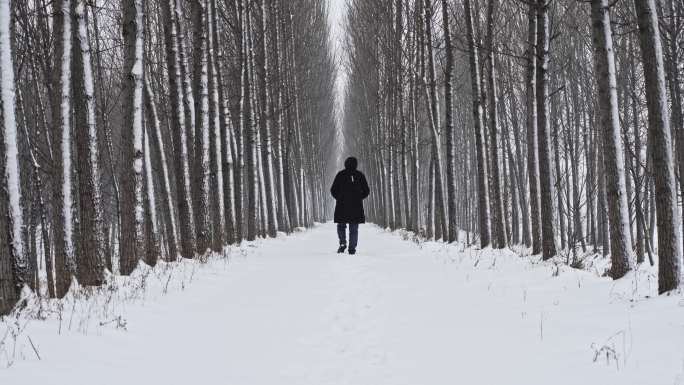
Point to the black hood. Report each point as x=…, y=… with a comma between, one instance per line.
x=351, y=163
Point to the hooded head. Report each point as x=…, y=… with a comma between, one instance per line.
x=351, y=163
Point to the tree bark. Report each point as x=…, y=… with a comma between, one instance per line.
x=132, y=183
x=61, y=148
x=613, y=158
x=157, y=143
x=265, y=123
x=90, y=259
x=216, y=136
x=499, y=240
x=13, y=266
x=201, y=174
x=482, y=177
x=547, y=212
x=186, y=227
x=669, y=244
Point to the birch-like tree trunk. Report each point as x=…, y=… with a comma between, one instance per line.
x=521, y=180
x=482, y=172
x=239, y=132
x=187, y=96
x=226, y=136
x=532, y=137
x=265, y=124
x=433, y=108
x=132, y=184
x=669, y=244
x=201, y=174
x=62, y=199
x=13, y=266
x=613, y=158
x=217, y=201
x=90, y=259
x=152, y=250
x=157, y=143
x=186, y=226
x=276, y=110
x=548, y=223
x=673, y=26
x=250, y=135
x=639, y=243
x=449, y=127
x=499, y=230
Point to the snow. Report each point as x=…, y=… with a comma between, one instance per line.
x=10, y=130
x=291, y=311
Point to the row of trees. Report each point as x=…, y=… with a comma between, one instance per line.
x=137, y=130
x=547, y=123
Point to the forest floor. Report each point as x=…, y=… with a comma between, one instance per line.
x=291, y=311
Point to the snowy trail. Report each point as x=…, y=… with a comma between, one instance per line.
x=291, y=311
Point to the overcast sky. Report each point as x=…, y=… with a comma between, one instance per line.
x=336, y=17
x=336, y=20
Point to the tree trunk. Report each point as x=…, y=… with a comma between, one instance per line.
x=433, y=107
x=132, y=184
x=499, y=240
x=13, y=267
x=201, y=174
x=90, y=261
x=532, y=136
x=674, y=43
x=61, y=148
x=186, y=227
x=669, y=244
x=449, y=127
x=250, y=138
x=152, y=250
x=548, y=227
x=157, y=143
x=265, y=123
x=482, y=177
x=217, y=198
x=613, y=160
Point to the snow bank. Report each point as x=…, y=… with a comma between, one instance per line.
x=95, y=310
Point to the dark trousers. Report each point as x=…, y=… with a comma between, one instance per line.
x=353, y=234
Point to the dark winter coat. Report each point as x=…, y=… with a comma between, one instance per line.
x=349, y=190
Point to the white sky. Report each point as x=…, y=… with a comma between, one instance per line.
x=337, y=10
x=336, y=22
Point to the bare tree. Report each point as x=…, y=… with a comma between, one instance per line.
x=482, y=169
x=62, y=223
x=499, y=232
x=132, y=183
x=180, y=140
x=548, y=227
x=91, y=256
x=200, y=90
x=669, y=245
x=13, y=267
x=620, y=234
x=449, y=127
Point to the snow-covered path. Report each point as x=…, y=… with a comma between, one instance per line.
x=292, y=312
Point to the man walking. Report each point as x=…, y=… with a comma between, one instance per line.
x=349, y=190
